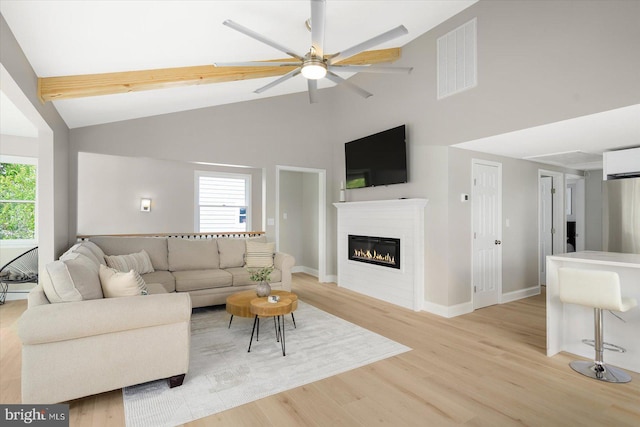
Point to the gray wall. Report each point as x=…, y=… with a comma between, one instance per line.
x=538, y=62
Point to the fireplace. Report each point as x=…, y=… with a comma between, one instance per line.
x=382, y=251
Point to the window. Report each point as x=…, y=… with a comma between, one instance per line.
x=222, y=202
x=18, y=181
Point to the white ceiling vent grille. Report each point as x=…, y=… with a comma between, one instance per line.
x=457, y=60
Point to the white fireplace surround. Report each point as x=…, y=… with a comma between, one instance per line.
x=401, y=219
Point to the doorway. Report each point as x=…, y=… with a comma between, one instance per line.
x=551, y=219
x=46, y=231
x=575, y=213
x=301, y=217
x=486, y=212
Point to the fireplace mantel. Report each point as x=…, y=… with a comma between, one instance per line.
x=401, y=219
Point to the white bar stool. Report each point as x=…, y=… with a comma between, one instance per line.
x=600, y=290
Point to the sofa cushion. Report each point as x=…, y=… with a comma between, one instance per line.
x=73, y=279
x=241, y=276
x=231, y=252
x=95, y=249
x=193, y=254
x=139, y=262
x=120, y=284
x=156, y=288
x=156, y=247
x=163, y=277
x=79, y=248
x=193, y=280
x=259, y=254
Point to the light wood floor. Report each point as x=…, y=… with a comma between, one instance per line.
x=487, y=368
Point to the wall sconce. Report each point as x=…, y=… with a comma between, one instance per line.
x=145, y=205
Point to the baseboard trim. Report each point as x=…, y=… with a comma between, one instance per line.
x=331, y=279
x=520, y=294
x=448, y=311
x=306, y=270
x=15, y=296
x=467, y=307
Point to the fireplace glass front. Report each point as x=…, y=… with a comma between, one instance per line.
x=382, y=251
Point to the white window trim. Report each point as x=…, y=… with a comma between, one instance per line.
x=22, y=243
x=196, y=200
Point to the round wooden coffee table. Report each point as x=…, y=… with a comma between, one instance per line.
x=262, y=307
x=239, y=304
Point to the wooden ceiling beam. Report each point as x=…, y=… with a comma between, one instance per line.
x=69, y=87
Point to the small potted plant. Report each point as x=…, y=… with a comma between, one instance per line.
x=262, y=275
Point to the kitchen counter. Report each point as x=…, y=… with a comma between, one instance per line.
x=569, y=324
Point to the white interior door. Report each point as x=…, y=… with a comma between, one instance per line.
x=487, y=233
x=546, y=224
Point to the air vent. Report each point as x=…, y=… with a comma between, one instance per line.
x=457, y=59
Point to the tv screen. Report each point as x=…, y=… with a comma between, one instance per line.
x=379, y=159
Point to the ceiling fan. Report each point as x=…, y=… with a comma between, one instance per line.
x=315, y=65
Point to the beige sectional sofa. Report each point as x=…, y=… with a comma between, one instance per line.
x=76, y=342
x=208, y=269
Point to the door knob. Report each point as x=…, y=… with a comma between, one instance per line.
x=498, y=242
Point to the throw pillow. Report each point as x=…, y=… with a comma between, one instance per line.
x=260, y=254
x=118, y=284
x=72, y=279
x=78, y=248
x=139, y=262
x=95, y=249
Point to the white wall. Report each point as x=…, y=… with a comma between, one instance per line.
x=110, y=189
x=12, y=145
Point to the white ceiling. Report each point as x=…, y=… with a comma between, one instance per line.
x=577, y=143
x=84, y=37
x=81, y=37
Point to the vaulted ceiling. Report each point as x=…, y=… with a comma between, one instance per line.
x=70, y=38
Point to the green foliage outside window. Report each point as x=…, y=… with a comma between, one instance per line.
x=17, y=201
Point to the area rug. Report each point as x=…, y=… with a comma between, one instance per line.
x=223, y=375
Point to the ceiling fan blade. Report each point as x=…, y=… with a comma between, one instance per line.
x=257, y=64
x=318, y=13
x=339, y=80
x=280, y=80
x=246, y=31
x=367, y=69
x=313, y=91
x=379, y=39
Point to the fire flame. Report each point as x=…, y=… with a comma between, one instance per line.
x=367, y=254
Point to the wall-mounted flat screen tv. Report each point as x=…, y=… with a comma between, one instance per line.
x=379, y=159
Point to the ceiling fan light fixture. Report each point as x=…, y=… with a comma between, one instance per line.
x=314, y=69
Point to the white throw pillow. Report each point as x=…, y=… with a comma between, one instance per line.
x=140, y=262
x=260, y=254
x=118, y=284
x=73, y=279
